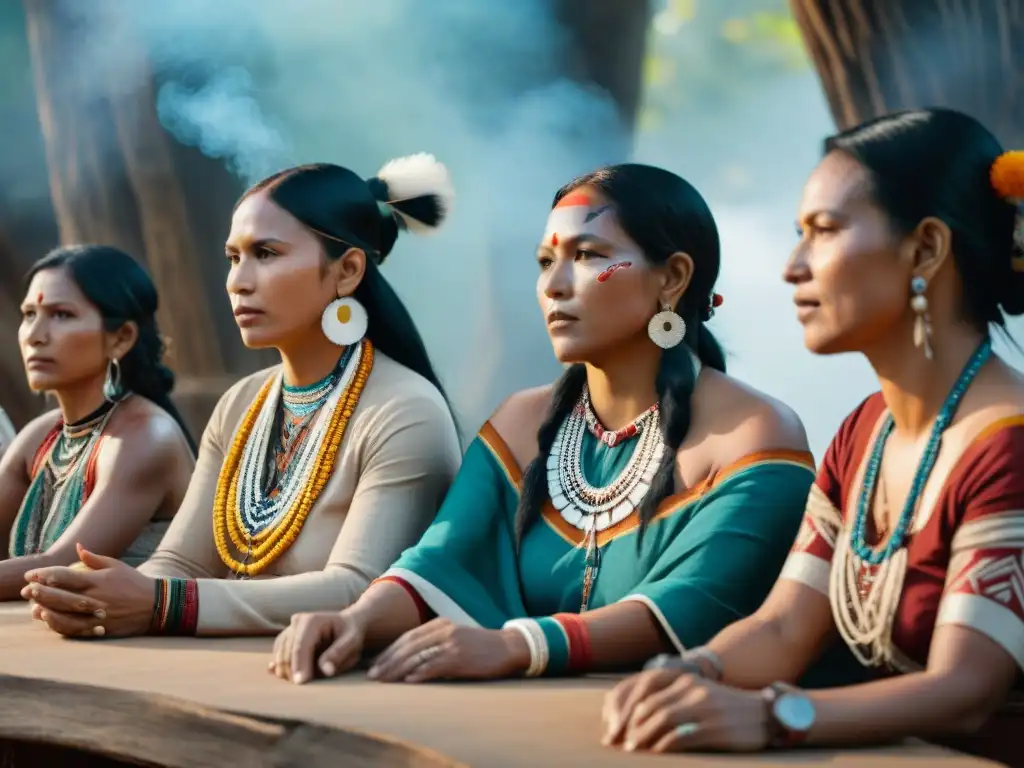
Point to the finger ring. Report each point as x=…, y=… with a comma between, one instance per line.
x=686, y=730
x=427, y=654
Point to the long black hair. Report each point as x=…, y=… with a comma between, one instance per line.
x=122, y=292
x=345, y=211
x=938, y=162
x=663, y=214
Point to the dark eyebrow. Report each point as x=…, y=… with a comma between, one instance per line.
x=261, y=243
x=586, y=237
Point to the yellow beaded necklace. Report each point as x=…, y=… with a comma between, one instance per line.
x=267, y=546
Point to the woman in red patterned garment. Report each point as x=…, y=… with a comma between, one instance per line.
x=912, y=545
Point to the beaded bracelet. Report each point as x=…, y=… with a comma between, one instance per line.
x=176, y=608
x=578, y=635
x=535, y=641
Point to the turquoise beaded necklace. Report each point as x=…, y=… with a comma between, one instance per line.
x=305, y=401
x=858, y=541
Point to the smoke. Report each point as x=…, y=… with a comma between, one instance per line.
x=261, y=84
x=207, y=117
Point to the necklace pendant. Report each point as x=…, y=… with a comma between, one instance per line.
x=865, y=580
x=609, y=439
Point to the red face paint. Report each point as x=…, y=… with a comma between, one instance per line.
x=39, y=299
x=554, y=239
x=612, y=269
x=574, y=198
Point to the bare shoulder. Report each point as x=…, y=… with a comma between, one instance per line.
x=742, y=420
x=25, y=444
x=519, y=417
x=143, y=438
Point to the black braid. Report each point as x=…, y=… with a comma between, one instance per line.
x=675, y=383
x=534, y=490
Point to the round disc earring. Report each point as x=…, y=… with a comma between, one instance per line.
x=666, y=328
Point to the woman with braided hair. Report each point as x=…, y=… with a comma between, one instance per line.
x=110, y=466
x=641, y=503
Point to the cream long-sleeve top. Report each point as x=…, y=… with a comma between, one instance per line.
x=397, y=459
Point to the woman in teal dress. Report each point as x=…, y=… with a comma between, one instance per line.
x=640, y=504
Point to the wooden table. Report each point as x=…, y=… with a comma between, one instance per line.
x=128, y=711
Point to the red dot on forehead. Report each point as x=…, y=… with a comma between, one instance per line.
x=554, y=238
x=39, y=298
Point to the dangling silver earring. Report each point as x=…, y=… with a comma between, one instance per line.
x=112, y=383
x=922, y=321
x=666, y=328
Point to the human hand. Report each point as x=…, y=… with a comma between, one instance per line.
x=328, y=642
x=104, y=598
x=440, y=649
x=665, y=711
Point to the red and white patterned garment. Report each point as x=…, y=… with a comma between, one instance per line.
x=962, y=563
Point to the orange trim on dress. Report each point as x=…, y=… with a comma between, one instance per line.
x=671, y=504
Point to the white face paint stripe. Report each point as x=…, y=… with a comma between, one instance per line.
x=566, y=221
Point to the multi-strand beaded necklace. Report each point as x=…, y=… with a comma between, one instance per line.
x=866, y=583
x=63, y=475
x=273, y=475
x=589, y=508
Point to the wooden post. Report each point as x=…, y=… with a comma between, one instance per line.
x=111, y=175
x=879, y=56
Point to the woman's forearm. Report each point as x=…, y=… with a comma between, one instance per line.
x=756, y=652
x=920, y=704
x=623, y=636
x=12, y=572
x=386, y=611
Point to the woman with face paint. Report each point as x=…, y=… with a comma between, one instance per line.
x=318, y=471
x=912, y=546
x=640, y=504
x=110, y=466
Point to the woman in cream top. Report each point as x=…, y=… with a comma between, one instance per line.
x=320, y=471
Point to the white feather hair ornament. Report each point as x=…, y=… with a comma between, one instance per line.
x=419, y=191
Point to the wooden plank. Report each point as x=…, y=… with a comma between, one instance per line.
x=481, y=724
x=174, y=733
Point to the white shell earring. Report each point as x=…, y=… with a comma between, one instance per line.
x=666, y=328
x=922, y=321
x=344, y=321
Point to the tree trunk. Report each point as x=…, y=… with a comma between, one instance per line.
x=879, y=56
x=111, y=175
x=608, y=38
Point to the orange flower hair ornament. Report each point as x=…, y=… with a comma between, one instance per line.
x=1007, y=176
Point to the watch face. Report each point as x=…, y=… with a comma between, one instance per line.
x=794, y=712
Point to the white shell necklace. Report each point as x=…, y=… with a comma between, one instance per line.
x=584, y=506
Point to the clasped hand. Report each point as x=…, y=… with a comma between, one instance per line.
x=664, y=710
x=330, y=643
x=106, y=598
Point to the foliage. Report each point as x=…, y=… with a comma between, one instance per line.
x=702, y=54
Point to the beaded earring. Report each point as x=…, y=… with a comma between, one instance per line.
x=922, y=321
x=666, y=328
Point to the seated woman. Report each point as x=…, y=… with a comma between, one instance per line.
x=109, y=468
x=912, y=546
x=318, y=471
x=641, y=503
